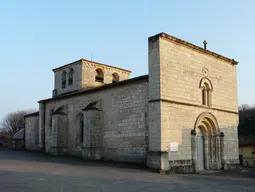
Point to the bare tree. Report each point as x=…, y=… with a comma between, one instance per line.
x=14, y=121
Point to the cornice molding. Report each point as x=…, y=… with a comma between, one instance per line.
x=192, y=46
x=192, y=105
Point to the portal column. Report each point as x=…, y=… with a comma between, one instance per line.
x=222, y=150
x=210, y=149
x=207, y=151
x=213, y=149
x=194, y=150
x=218, y=151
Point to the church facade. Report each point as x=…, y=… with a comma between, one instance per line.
x=182, y=116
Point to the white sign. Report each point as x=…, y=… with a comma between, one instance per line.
x=174, y=146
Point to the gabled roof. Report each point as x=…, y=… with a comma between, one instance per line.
x=20, y=134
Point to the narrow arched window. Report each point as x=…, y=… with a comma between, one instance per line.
x=203, y=96
x=63, y=79
x=206, y=95
x=81, y=126
x=209, y=96
x=99, y=75
x=70, y=77
x=206, y=87
x=115, y=78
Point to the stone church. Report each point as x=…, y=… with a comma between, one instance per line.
x=182, y=116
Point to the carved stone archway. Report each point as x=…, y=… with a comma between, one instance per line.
x=207, y=133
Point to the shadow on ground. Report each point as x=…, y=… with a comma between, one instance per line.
x=10, y=154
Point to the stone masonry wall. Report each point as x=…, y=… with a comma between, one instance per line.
x=89, y=73
x=77, y=78
x=93, y=134
x=84, y=73
x=123, y=116
x=175, y=72
x=180, y=75
x=179, y=120
x=32, y=133
x=154, y=110
x=181, y=71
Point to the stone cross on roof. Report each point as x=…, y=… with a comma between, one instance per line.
x=205, y=43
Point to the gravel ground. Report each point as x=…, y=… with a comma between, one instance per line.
x=30, y=171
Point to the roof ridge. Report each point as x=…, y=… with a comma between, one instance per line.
x=82, y=59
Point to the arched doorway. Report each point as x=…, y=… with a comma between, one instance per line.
x=206, y=144
x=200, y=144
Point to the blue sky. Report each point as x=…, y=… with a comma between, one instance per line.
x=37, y=36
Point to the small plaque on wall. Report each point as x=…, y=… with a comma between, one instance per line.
x=174, y=146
